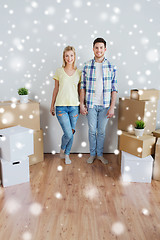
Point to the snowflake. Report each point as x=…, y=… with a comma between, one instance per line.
x=26, y=236
x=83, y=144
x=35, y=209
x=114, y=19
x=49, y=11
x=50, y=27
x=152, y=55
x=58, y=195
x=77, y=3
x=118, y=228
x=137, y=7
x=34, y=4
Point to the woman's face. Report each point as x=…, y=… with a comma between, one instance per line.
x=69, y=57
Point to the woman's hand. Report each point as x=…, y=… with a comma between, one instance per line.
x=52, y=111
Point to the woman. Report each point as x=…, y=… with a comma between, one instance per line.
x=65, y=98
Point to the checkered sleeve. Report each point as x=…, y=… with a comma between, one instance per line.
x=114, y=86
x=83, y=77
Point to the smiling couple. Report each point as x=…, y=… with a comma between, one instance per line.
x=97, y=87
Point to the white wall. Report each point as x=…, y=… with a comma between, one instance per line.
x=34, y=33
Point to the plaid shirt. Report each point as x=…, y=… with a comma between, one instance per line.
x=88, y=81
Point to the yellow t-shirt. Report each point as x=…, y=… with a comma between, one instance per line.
x=68, y=87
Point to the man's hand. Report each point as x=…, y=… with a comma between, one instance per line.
x=110, y=113
x=83, y=109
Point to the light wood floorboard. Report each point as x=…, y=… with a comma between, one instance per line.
x=80, y=202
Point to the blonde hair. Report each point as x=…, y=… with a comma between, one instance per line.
x=69, y=48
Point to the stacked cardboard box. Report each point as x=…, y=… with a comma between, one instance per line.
x=156, y=168
x=156, y=134
x=131, y=110
x=142, y=105
x=148, y=94
x=137, y=146
x=26, y=115
x=38, y=155
x=131, y=168
x=16, y=144
x=23, y=114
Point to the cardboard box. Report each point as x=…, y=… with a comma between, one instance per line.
x=134, y=169
x=131, y=110
x=119, y=158
x=156, y=166
x=14, y=172
x=137, y=146
x=26, y=114
x=16, y=143
x=145, y=94
x=38, y=155
x=120, y=152
x=156, y=133
x=0, y=175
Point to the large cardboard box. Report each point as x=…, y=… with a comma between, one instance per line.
x=145, y=94
x=131, y=110
x=119, y=158
x=120, y=152
x=0, y=175
x=23, y=114
x=16, y=143
x=137, y=146
x=156, y=167
x=14, y=172
x=38, y=155
x=135, y=169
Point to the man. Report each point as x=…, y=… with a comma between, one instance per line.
x=98, y=97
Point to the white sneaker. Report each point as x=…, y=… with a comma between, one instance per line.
x=62, y=155
x=67, y=159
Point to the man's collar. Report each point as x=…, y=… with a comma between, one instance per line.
x=104, y=60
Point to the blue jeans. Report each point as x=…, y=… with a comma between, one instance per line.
x=67, y=117
x=97, y=121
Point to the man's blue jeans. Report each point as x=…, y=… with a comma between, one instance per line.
x=67, y=117
x=97, y=121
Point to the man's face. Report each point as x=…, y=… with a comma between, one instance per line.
x=99, y=50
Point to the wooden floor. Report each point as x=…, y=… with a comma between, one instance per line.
x=79, y=202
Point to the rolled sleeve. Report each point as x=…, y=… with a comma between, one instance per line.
x=114, y=86
x=80, y=73
x=56, y=75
